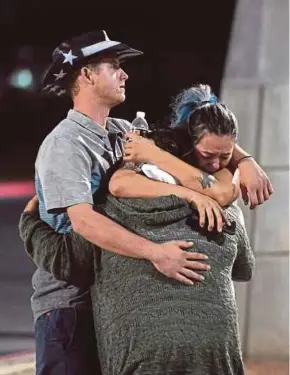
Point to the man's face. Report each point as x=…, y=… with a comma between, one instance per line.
x=213, y=152
x=109, y=83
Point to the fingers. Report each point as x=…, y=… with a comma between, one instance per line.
x=267, y=189
x=186, y=275
x=132, y=135
x=194, y=256
x=266, y=192
x=183, y=244
x=260, y=195
x=193, y=265
x=253, y=199
x=257, y=192
x=245, y=196
x=270, y=187
x=220, y=219
x=191, y=274
x=128, y=150
x=128, y=147
x=183, y=279
x=210, y=218
x=201, y=212
x=214, y=214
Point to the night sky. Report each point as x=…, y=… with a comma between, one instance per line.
x=183, y=43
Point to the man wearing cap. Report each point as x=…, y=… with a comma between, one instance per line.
x=75, y=162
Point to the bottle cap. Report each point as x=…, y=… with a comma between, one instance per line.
x=140, y=114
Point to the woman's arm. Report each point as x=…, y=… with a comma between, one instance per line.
x=67, y=257
x=256, y=186
x=244, y=264
x=218, y=186
x=129, y=183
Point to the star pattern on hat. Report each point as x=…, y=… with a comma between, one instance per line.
x=59, y=75
x=68, y=57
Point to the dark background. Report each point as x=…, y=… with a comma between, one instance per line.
x=183, y=43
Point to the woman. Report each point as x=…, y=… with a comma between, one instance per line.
x=146, y=323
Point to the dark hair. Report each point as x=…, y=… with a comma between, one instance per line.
x=198, y=111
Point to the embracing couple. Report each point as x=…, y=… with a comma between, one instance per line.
x=136, y=248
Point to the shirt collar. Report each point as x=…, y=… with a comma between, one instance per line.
x=87, y=122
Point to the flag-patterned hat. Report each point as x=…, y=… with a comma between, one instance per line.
x=73, y=54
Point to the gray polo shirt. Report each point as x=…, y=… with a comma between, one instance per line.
x=74, y=162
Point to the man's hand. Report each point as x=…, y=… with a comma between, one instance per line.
x=256, y=187
x=172, y=261
x=32, y=205
x=208, y=207
x=138, y=149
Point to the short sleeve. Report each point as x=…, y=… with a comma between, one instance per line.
x=63, y=171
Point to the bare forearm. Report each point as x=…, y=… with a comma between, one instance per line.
x=188, y=175
x=129, y=184
x=238, y=154
x=106, y=234
x=218, y=186
x=228, y=188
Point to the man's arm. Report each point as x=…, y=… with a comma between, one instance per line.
x=168, y=258
x=218, y=186
x=64, y=169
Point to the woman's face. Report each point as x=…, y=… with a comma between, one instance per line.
x=213, y=152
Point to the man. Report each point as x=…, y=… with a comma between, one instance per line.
x=74, y=162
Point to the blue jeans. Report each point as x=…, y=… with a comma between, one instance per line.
x=65, y=343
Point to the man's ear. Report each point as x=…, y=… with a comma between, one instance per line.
x=86, y=73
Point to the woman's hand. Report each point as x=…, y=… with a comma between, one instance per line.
x=138, y=149
x=256, y=186
x=208, y=207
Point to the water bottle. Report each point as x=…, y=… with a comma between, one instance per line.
x=140, y=124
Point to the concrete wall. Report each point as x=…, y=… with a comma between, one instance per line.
x=255, y=86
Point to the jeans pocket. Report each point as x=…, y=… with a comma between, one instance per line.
x=61, y=325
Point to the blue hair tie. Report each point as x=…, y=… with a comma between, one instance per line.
x=189, y=101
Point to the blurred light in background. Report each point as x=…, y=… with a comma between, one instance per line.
x=25, y=70
x=22, y=79
x=20, y=189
